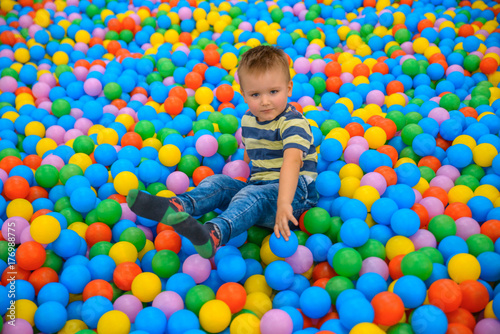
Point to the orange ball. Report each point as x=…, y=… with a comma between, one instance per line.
x=30, y=255
x=458, y=210
x=224, y=93
x=454, y=328
x=388, y=307
x=98, y=287
x=233, y=294
x=462, y=316
x=42, y=276
x=445, y=294
x=431, y=162
x=193, y=80
x=355, y=129
x=168, y=240
x=321, y=283
x=16, y=187
x=422, y=213
x=132, y=139
x=37, y=192
x=212, y=57
x=10, y=162
x=437, y=192
x=173, y=105
x=124, y=274
x=333, y=84
x=163, y=227
x=33, y=161
x=361, y=70
x=395, y=267
x=475, y=296
x=491, y=228
x=333, y=69
x=465, y=30
x=39, y=213
x=179, y=92
x=201, y=173
x=97, y=232
x=488, y=65
x=394, y=87
x=388, y=173
x=380, y=67
x=391, y=152
x=323, y=270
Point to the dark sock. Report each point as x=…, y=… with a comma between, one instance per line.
x=205, y=238
x=152, y=207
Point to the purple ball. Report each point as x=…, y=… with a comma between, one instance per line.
x=301, y=261
x=433, y=205
x=450, y=171
x=178, y=182
x=318, y=66
x=276, y=321
x=8, y=84
x=127, y=213
x=352, y=153
x=92, y=87
x=197, y=267
x=466, y=227
x=207, y=145
x=374, y=265
x=13, y=227
x=236, y=168
x=423, y=238
x=358, y=140
x=128, y=304
x=41, y=89
x=168, y=302
x=443, y=182
x=439, y=115
x=83, y=124
x=418, y=195
x=375, y=97
x=487, y=326
x=18, y=326
x=56, y=133
x=302, y=65
x=376, y=180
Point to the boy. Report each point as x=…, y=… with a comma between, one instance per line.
x=279, y=143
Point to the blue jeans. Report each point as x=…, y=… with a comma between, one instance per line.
x=244, y=204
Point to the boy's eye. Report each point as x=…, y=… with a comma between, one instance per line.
x=255, y=94
x=274, y=91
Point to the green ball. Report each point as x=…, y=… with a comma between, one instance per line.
x=313, y=34
x=234, y=12
x=228, y=124
x=366, y=30
x=60, y=107
x=92, y=10
x=336, y=285
x=328, y=125
x=215, y=116
x=450, y=102
x=112, y=91
x=257, y=234
x=481, y=91
x=400, y=329
x=477, y=101
x=317, y=220
x=250, y=251
x=319, y=84
x=427, y=173
x=112, y=35
x=417, y=264
x=83, y=144
x=474, y=170
x=198, y=295
x=116, y=292
x=61, y=204
x=53, y=261
x=85, y=331
x=302, y=237
x=398, y=118
x=4, y=250
x=68, y=171
x=471, y=62
x=433, y=254
x=155, y=188
x=145, y=129
x=409, y=133
x=413, y=117
x=479, y=243
x=410, y=67
x=126, y=35
x=372, y=248
x=9, y=152
x=100, y=248
x=334, y=228
x=277, y=15
x=467, y=180
x=442, y=226
x=47, y=176
x=203, y=124
x=188, y=164
x=163, y=133
x=207, y=217
x=408, y=152
x=347, y=262
x=109, y=211
x=166, y=68
x=71, y=215
x=135, y=236
x=228, y=145
x=165, y=263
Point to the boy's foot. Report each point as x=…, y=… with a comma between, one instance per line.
x=152, y=207
x=205, y=238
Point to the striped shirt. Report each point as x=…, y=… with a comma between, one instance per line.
x=267, y=141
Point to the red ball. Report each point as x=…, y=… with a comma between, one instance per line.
x=124, y=274
x=462, y=316
x=173, y=105
x=491, y=228
x=475, y=296
x=132, y=139
x=454, y=328
x=42, y=276
x=30, y=255
x=488, y=65
x=16, y=187
x=224, y=93
x=323, y=270
x=98, y=287
x=168, y=240
x=10, y=162
x=97, y=232
x=201, y=173
x=445, y=294
x=388, y=307
x=233, y=294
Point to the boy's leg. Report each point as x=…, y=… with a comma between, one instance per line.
x=213, y=192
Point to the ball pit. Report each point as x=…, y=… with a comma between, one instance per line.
x=100, y=97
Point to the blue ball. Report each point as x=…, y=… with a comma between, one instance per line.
x=328, y=183
x=102, y=267
x=450, y=129
x=355, y=311
x=149, y=171
x=94, y=308
x=371, y=284
x=225, y=251
x=383, y=209
x=354, y=232
x=75, y=310
x=480, y=206
x=51, y=317
x=353, y=208
x=315, y=302
x=405, y=222
x=295, y=315
x=331, y=149
x=286, y=298
x=97, y=175
x=439, y=271
x=452, y=245
x=24, y=289
x=429, y=319
x=490, y=266
x=253, y=268
x=83, y=199
x=75, y=182
x=279, y=275
x=53, y=292
x=408, y=174
x=179, y=322
x=300, y=284
x=282, y=248
x=67, y=244
x=319, y=244
x=411, y=290
x=402, y=194
x=231, y=268
x=105, y=154
x=75, y=278
x=213, y=281
x=424, y=144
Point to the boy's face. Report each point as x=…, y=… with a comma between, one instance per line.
x=266, y=93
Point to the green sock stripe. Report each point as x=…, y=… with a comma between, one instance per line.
x=173, y=219
x=206, y=250
x=132, y=197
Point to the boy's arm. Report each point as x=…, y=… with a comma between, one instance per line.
x=246, y=158
x=289, y=177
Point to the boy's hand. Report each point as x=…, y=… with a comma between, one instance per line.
x=283, y=215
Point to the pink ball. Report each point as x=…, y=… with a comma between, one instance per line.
x=302, y=65
x=53, y=160
x=276, y=321
x=301, y=261
x=443, y=182
x=358, y=140
x=439, y=115
x=3, y=175
x=49, y=79
x=298, y=7
x=237, y=135
x=207, y=145
x=450, y=171
x=433, y=205
x=41, y=89
x=418, y=195
x=13, y=227
x=185, y=13
x=306, y=101
x=247, y=26
x=92, y=87
x=423, y=238
x=169, y=302
x=374, y=265
x=197, y=267
x=17, y=326
x=147, y=231
x=72, y=134
x=236, y=168
x=318, y=66
x=466, y=227
x=376, y=180
x=128, y=304
x=178, y=182
x=80, y=73
x=56, y=133
x=83, y=124
x=127, y=213
x=487, y=326
x=8, y=84
x=352, y=154
x=76, y=113
x=346, y=77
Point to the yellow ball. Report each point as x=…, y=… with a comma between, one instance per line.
x=169, y=155
x=215, y=316
x=44, y=145
x=204, y=95
x=73, y=326
x=146, y=286
x=125, y=181
x=266, y=255
x=22, y=55
x=171, y=36
x=348, y=186
x=460, y=193
x=25, y=309
x=166, y=193
x=45, y=229
x=82, y=36
x=351, y=170
x=114, y=322
x=82, y=160
x=42, y=18
x=79, y=227
x=366, y=194
x=463, y=267
x=422, y=185
x=354, y=41
x=483, y=154
x=375, y=136
x=107, y=136
x=20, y=207
x=60, y=58
x=245, y=323
x=34, y=128
x=257, y=283
x=153, y=142
x=340, y=134
x=398, y=245
x=420, y=44
x=488, y=191
x=366, y=328
x=466, y=140
x=200, y=14
x=488, y=310
x=149, y=246
x=202, y=26
x=124, y=119
x=229, y=61
x=259, y=303
x=123, y=251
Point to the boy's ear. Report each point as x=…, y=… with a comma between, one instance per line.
x=290, y=88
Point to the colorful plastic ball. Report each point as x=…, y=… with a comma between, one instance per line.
x=353, y=208
x=245, y=323
x=347, y=262
x=276, y=321
x=151, y=320
x=459, y=155
x=178, y=182
x=197, y=296
x=328, y=183
x=169, y=302
x=30, y=255
x=283, y=248
x=109, y=211
x=45, y=229
x=388, y=307
x=383, y=209
x=207, y=145
x=146, y=286
x=411, y=290
x=83, y=199
x=317, y=220
x=197, y=267
x=462, y=267
x=124, y=182
x=354, y=232
x=279, y=275
x=114, y=322
x=301, y=261
x=231, y=268
x=428, y=319
x=50, y=317
x=94, y=308
x=315, y=302
x=215, y=316
x=405, y=222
